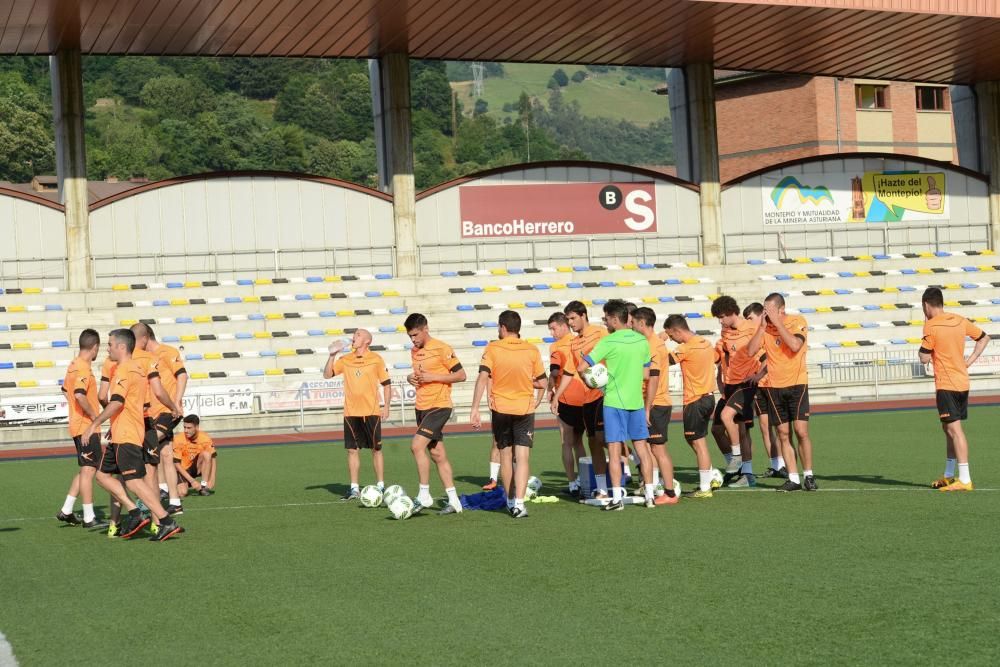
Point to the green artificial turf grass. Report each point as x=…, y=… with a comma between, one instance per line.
x=273, y=569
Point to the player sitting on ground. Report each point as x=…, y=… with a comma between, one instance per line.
x=194, y=456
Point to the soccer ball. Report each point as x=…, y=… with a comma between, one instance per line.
x=596, y=376
x=371, y=496
x=391, y=493
x=716, y=478
x=534, y=486
x=401, y=508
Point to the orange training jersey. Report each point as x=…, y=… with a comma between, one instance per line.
x=79, y=381
x=737, y=365
x=561, y=362
x=784, y=367
x=147, y=363
x=577, y=393
x=944, y=338
x=129, y=386
x=697, y=358
x=186, y=450
x=363, y=376
x=659, y=366
x=513, y=364
x=168, y=364
x=438, y=358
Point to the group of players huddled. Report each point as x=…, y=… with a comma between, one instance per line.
x=758, y=367
x=141, y=391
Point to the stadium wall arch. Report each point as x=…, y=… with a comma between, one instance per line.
x=234, y=224
x=565, y=213
x=854, y=204
x=33, y=250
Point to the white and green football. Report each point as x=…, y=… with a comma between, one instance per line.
x=401, y=508
x=371, y=496
x=596, y=376
x=391, y=493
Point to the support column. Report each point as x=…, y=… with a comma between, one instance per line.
x=71, y=164
x=702, y=154
x=988, y=94
x=394, y=144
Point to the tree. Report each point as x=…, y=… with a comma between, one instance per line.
x=131, y=74
x=175, y=97
x=347, y=160
x=482, y=106
x=579, y=76
x=561, y=78
x=430, y=92
x=26, y=144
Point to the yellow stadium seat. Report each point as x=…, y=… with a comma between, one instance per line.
x=332, y=279
x=390, y=292
x=952, y=304
x=517, y=305
x=262, y=281
x=212, y=356
x=38, y=326
x=987, y=252
x=849, y=343
x=274, y=316
x=491, y=288
x=953, y=286
x=852, y=325
x=251, y=299
x=498, y=272
x=695, y=265
x=803, y=260
x=690, y=281
x=564, y=269
x=862, y=274
x=824, y=309
x=345, y=313
x=865, y=257
x=925, y=254
x=650, y=299
x=891, y=289
x=887, y=306
x=274, y=371
x=916, y=323
x=536, y=340
x=120, y=287
x=630, y=267
x=261, y=334
x=128, y=323
x=625, y=283
x=557, y=286
x=189, y=338
x=827, y=292
x=193, y=283
x=15, y=309
x=45, y=363
x=924, y=271
x=914, y=341
x=800, y=276
x=27, y=384
x=587, y=302
x=202, y=319
x=32, y=290
x=985, y=267
x=178, y=302
x=319, y=296
x=334, y=332
x=981, y=320
x=286, y=352
x=199, y=376
x=21, y=346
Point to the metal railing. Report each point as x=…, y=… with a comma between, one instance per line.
x=34, y=270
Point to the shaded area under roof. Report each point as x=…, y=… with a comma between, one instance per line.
x=944, y=41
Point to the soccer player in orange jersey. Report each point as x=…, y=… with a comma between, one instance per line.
x=737, y=373
x=512, y=368
x=697, y=358
x=365, y=376
x=783, y=338
x=81, y=397
x=754, y=313
x=435, y=370
x=943, y=345
x=657, y=401
x=169, y=365
x=194, y=456
x=571, y=426
x=124, y=455
x=573, y=392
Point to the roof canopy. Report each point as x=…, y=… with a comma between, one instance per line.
x=945, y=41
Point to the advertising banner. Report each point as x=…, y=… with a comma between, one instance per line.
x=321, y=395
x=16, y=411
x=874, y=197
x=219, y=400
x=563, y=209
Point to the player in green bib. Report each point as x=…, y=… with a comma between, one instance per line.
x=626, y=355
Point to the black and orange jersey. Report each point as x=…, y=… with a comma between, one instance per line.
x=561, y=361
x=659, y=366
x=168, y=364
x=80, y=380
x=129, y=386
x=577, y=393
x=697, y=359
x=108, y=370
x=363, y=376
x=513, y=365
x=784, y=367
x=944, y=338
x=187, y=450
x=147, y=362
x=737, y=365
x=438, y=358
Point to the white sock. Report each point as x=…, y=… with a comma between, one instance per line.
x=424, y=496
x=602, y=483
x=510, y=503
x=175, y=502
x=354, y=487
x=574, y=484
x=617, y=493
x=728, y=457
x=425, y=490
x=88, y=512
x=204, y=484
x=519, y=503
x=656, y=477
x=68, y=505
x=628, y=469
x=453, y=497
x=747, y=468
x=380, y=485
x=494, y=471
x=781, y=463
x=650, y=489
x=737, y=452
x=963, y=473
x=949, y=467
x=705, y=480
x=774, y=462
x=807, y=473
x=794, y=477
x=164, y=487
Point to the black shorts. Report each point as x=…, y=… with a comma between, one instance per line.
x=659, y=418
x=593, y=417
x=165, y=425
x=760, y=401
x=696, y=417
x=363, y=432
x=191, y=470
x=572, y=416
x=430, y=423
x=739, y=397
x=788, y=404
x=88, y=455
x=513, y=430
x=953, y=406
x=151, y=447
x=125, y=460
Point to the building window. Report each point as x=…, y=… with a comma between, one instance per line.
x=871, y=97
x=930, y=98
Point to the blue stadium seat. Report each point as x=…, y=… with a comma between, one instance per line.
x=255, y=373
x=464, y=308
x=314, y=279
x=233, y=299
x=171, y=339
x=243, y=335
x=184, y=320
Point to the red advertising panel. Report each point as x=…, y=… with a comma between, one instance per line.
x=570, y=209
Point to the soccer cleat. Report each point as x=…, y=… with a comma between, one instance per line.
x=733, y=467
x=698, y=494
x=449, y=509
x=71, y=518
x=490, y=485
x=958, y=485
x=744, y=481
x=167, y=529
x=942, y=482
x=175, y=510
x=650, y=503
x=809, y=483
x=780, y=474
x=518, y=512
x=614, y=506
x=204, y=492
x=352, y=494
x=666, y=500
x=164, y=496
x=789, y=485
x=573, y=491
x=93, y=523
x=133, y=524
x=114, y=530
